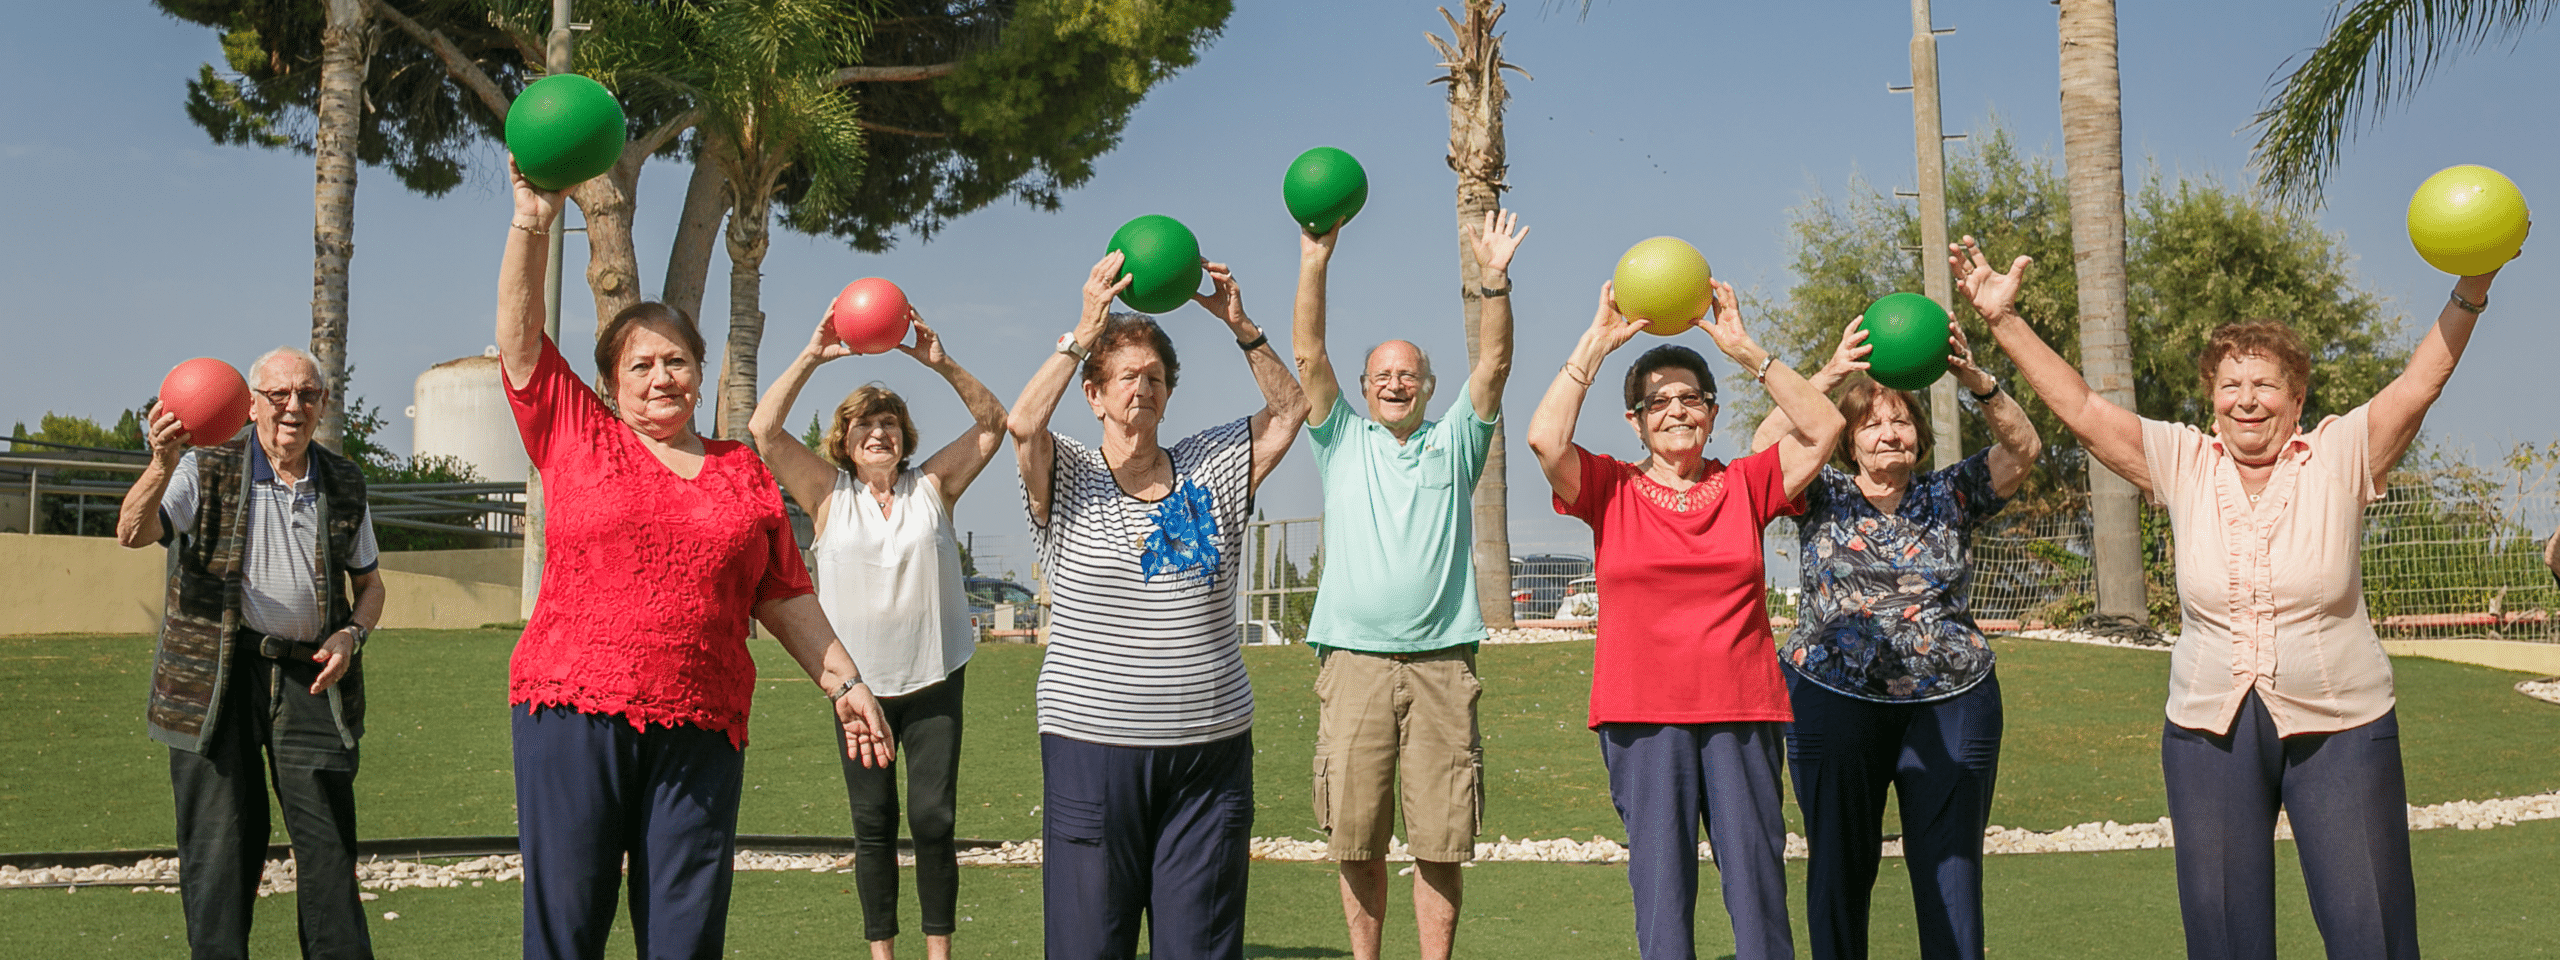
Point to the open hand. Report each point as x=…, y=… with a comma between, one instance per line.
x=1104, y=283
x=534, y=205
x=1497, y=240
x=928, y=348
x=1994, y=294
x=337, y=654
x=1969, y=375
x=866, y=729
x=1611, y=327
x=824, y=344
x=1317, y=249
x=1726, y=327
x=1224, y=299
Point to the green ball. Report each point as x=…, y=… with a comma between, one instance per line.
x=1325, y=188
x=563, y=130
x=1164, y=258
x=1909, y=334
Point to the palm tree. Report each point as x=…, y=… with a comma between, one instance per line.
x=333, y=201
x=2093, y=163
x=2377, y=52
x=1476, y=97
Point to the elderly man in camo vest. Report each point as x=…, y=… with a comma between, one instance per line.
x=261, y=650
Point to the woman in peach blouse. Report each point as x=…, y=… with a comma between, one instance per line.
x=2279, y=694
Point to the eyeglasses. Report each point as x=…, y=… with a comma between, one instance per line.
x=1693, y=401
x=310, y=397
x=1399, y=377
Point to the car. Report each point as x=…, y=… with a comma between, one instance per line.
x=985, y=593
x=1538, y=581
x=1581, y=600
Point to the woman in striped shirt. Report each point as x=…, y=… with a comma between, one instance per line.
x=1146, y=747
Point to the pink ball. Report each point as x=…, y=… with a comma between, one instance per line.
x=870, y=315
x=209, y=397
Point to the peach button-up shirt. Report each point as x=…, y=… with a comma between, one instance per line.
x=2271, y=594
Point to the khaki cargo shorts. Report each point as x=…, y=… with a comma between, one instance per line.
x=1382, y=712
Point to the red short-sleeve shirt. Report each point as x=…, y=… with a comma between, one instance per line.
x=648, y=578
x=1684, y=629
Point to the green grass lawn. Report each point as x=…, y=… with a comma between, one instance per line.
x=2081, y=745
x=2488, y=895
x=2082, y=742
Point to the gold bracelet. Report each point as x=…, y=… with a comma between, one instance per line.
x=1568, y=374
x=539, y=232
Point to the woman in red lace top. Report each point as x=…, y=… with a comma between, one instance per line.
x=1685, y=691
x=631, y=684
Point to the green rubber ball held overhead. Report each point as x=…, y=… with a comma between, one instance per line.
x=1163, y=259
x=1325, y=188
x=564, y=130
x=1909, y=333
x=2468, y=220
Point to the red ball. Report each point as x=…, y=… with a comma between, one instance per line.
x=209, y=397
x=870, y=315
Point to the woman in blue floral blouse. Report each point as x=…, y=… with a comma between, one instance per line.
x=1891, y=680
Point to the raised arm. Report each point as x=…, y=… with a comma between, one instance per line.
x=520, y=308
x=1847, y=358
x=138, y=519
x=1033, y=448
x=2110, y=433
x=1817, y=423
x=1306, y=328
x=958, y=462
x=1284, y=403
x=1551, y=427
x=1495, y=241
x=2018, y=445
x=2392, y=422
x=809, y=478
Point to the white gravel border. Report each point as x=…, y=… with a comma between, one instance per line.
x=160, y=874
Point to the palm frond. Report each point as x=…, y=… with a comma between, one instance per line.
x=2377, y=53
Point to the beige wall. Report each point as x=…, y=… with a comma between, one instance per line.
x=2517, y=655
x=499, y=565
x=57, y=584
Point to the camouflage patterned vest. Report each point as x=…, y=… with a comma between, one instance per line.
x=197, y=645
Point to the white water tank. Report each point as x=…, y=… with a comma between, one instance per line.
x=461, y=412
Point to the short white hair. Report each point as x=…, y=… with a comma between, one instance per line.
x=258, y=370
x=1422, y=361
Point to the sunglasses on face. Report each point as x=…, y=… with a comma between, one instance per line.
x=310, y=397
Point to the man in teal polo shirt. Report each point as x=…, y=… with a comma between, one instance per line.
x=1396, y=620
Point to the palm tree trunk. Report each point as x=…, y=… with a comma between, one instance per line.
x=706, y=198
x=333, y=200
x=1476, y=99
x=749, y=234
x=2093, y=160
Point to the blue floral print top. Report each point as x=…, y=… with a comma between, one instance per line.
x=1883, y=614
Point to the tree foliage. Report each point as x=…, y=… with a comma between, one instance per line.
x=2199, y=255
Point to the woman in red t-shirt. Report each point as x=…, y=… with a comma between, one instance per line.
x=1685, y=690
x=630, y=686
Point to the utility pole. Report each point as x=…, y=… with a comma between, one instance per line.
x=556, y=60
x=1929, y=144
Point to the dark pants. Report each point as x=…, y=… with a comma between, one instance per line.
x=590, y=789
x=2349, y=806
x=1163, y=832
x=926, y=724
x=1665, y=778
x=222, y=813
x=1941, y=758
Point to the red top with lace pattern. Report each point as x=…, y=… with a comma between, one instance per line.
x=648, y=578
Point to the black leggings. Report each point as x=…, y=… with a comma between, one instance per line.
x=926, y=725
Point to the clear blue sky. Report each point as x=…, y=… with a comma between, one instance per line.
x=136, y=243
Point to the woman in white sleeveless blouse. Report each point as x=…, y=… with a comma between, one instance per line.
x=888, y=574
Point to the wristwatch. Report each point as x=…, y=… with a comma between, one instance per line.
x=1985, y=396
x=1067, y=345
x=845, y=689
x=361, y=632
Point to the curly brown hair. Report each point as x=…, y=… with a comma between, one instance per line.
x=2272, y=339
x=861, y=404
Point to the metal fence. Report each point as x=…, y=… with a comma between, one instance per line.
x=1284, y=560
x=62, y=489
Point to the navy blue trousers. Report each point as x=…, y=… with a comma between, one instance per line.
x=2349, y=805
x=591, y=789
x=1941, y=759
x=1159, y=832
x=1666, y=778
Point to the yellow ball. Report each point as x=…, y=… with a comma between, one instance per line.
x=1664, y=282
x=2468, y=220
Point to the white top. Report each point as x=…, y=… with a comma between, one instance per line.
x=890, y=583
x=280, y=570
x=1142, y=626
